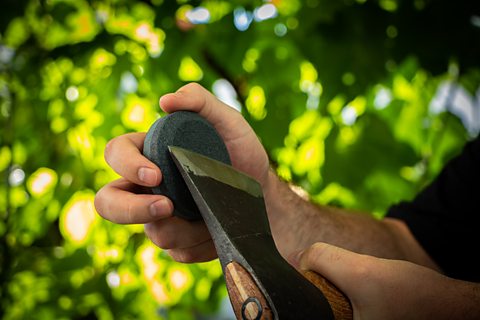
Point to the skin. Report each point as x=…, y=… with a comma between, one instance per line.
x=300, y=228
x=391, y=289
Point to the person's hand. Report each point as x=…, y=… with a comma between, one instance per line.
x=127, y=199
x=391, y=289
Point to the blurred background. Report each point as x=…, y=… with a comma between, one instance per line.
x=358, y=102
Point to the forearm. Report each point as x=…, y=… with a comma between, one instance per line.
x=463, y=299
x=296, y=224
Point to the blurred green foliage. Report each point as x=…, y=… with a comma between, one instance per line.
x=345, y=95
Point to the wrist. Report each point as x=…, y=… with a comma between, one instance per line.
x=270, y=185
x=281, y=204
x=277, y=196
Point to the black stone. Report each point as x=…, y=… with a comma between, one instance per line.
x=190, y=131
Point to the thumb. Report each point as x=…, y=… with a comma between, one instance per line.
x=339, y=266
x=194, y=97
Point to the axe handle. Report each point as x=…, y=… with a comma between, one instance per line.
x=247, y=300
x=341, y=306
x=249, y=303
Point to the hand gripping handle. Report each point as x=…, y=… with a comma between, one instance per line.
x=341, y=306
x=249, y=303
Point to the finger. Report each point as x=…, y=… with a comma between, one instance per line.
x=193, y=97
x=340, y=266
x=200, y=253
x=229, y=123
x=116, y=202
x=177, y=233
x=124, y=155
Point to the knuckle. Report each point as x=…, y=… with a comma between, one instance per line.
x=320, y=252
x=318, y=247
x=99, y=202
x=129, y=214
x=103, y=204
x=109, y=149
x=310, y=258
x=193, y=87
x=315, y=252
x=160, y=238
x=183, y=255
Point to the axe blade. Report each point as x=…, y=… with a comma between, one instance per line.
x=232, y=206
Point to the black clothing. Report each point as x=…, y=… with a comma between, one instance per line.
x=445, y=216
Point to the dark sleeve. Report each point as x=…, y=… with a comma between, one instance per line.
x=445, y=216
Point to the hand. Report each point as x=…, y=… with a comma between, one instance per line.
x=127, y=200
x=391, y=289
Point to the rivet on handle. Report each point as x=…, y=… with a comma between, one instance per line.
x=246, y=308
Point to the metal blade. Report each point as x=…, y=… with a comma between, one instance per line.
x=232, y=205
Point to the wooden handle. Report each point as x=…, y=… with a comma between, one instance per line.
x=249, y=303
x=247, y=300
x=341, y=306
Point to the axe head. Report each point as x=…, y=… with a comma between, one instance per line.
x=232, y=206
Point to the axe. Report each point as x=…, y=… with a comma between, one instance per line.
x=260, y=283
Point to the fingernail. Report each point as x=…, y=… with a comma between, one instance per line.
x=147, y=175
x=160, y=209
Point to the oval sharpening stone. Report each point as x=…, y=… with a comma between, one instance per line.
x=190, y=131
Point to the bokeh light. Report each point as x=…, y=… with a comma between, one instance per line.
x=352, y=108
x=78, y=217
